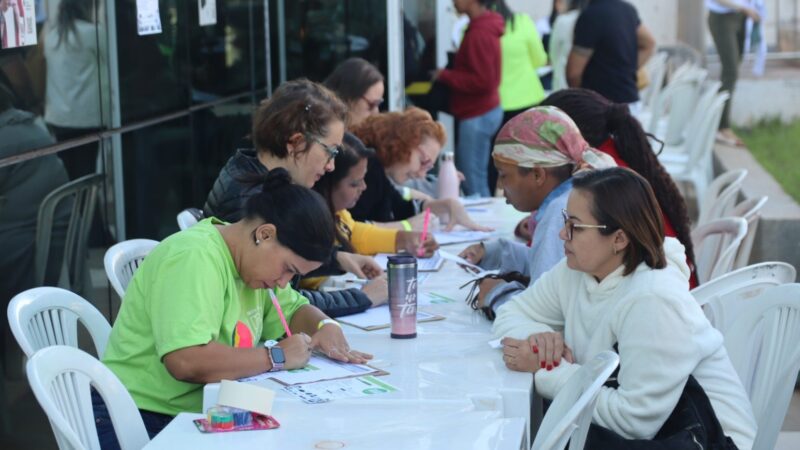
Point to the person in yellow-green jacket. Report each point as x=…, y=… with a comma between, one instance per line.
x=522, y=53
x=341, y=189
x=199, y=307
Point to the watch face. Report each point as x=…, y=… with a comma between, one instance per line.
x=277, y=355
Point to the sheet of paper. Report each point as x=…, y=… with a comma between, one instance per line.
x=496, y=343
x=18, y=27
x=379, y=317
x=471, y=268
x=475, y=201
x=148, y=18
x=325, y=391
x=432, y=298
x=207, y=10
x=461, y=236
x=318, y=368
x=250, y=397
x=431, y=264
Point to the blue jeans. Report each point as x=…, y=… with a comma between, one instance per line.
x=473, y=149
x=153, y=423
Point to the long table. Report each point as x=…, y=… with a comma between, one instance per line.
x=453, y=389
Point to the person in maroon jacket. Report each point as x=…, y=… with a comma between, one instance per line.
x=474, y=100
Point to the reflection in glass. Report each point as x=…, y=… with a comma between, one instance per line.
x=76, y=80
x=321, y=34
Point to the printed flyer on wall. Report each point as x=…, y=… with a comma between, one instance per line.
x=17, y=23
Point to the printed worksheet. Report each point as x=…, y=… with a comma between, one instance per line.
x=325, y=391
x=431, y=264
x=318, y=368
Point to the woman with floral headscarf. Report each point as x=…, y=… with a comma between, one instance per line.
x=535, y=154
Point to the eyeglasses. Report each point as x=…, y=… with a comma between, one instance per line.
x=373, y=104
x=570, y=225
x=331, y=150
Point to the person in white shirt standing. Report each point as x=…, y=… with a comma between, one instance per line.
x=726, y=22
x=622, y=286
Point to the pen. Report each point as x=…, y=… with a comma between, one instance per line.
x=356, y=280
x=280, y=313
x=420, y=250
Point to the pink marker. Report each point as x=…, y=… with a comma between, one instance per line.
x=280, y=312
x=421, y=250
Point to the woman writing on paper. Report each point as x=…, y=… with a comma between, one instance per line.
x=623, y=286
x=342, y=188
x=199, y=307
x=406, y=146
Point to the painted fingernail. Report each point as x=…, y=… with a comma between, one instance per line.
x=549, y=367
x=535, y=349
x=555, y=363
x=543, y=364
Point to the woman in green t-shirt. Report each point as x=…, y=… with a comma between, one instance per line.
x=199, y=306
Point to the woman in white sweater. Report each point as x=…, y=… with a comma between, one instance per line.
x=623, y=287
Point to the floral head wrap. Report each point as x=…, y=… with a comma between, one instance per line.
x=545, y=136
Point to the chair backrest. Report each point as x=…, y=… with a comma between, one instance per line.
x=570, y=414
x=721, y=195
x=708, y=91
x=749, y=210
x=722, y=296
x=45, y=316
x=700, y=137
x=656, y=70
x=716, y=244
x=122, y=260
x=61, y=378
x=83, y=193
x=762, y=345
x=676, y=99
x=189, y=217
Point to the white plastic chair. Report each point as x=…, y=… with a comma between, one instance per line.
x=61, y=378
x=122, y=260
x=570, y=414
x=694, y=165
x=673, y=108
x=749, y=210
x=715, y=246
x=189, y=217
x=656, y=71
x=762, y=345
x=45, y=316
x=721, y=195
x=721, y=296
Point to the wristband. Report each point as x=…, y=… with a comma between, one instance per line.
x=406, y=193
x=406, y=225
x=324, y=322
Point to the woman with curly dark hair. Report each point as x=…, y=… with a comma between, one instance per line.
x=610, y=127
x=406, y=145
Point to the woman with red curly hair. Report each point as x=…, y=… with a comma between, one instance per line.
x=406, y=146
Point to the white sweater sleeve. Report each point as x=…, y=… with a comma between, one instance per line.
x=534, y=310
x=657, y=355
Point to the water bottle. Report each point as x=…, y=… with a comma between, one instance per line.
x=448, y=177
x=402, y=273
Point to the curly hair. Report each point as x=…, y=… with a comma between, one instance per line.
x=600, y=119
x=395, y=135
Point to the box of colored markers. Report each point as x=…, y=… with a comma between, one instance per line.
x=221, y=419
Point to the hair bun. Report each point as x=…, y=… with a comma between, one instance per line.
x=617, y=114
x=276, y=179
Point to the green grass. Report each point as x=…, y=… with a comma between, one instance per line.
x=776, y=146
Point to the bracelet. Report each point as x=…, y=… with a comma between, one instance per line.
x=324, y=322
x=406, y=225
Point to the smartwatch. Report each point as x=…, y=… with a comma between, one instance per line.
x=276, y=355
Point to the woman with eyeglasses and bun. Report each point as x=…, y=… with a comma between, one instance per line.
x=624, y=287
x=359, y=84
